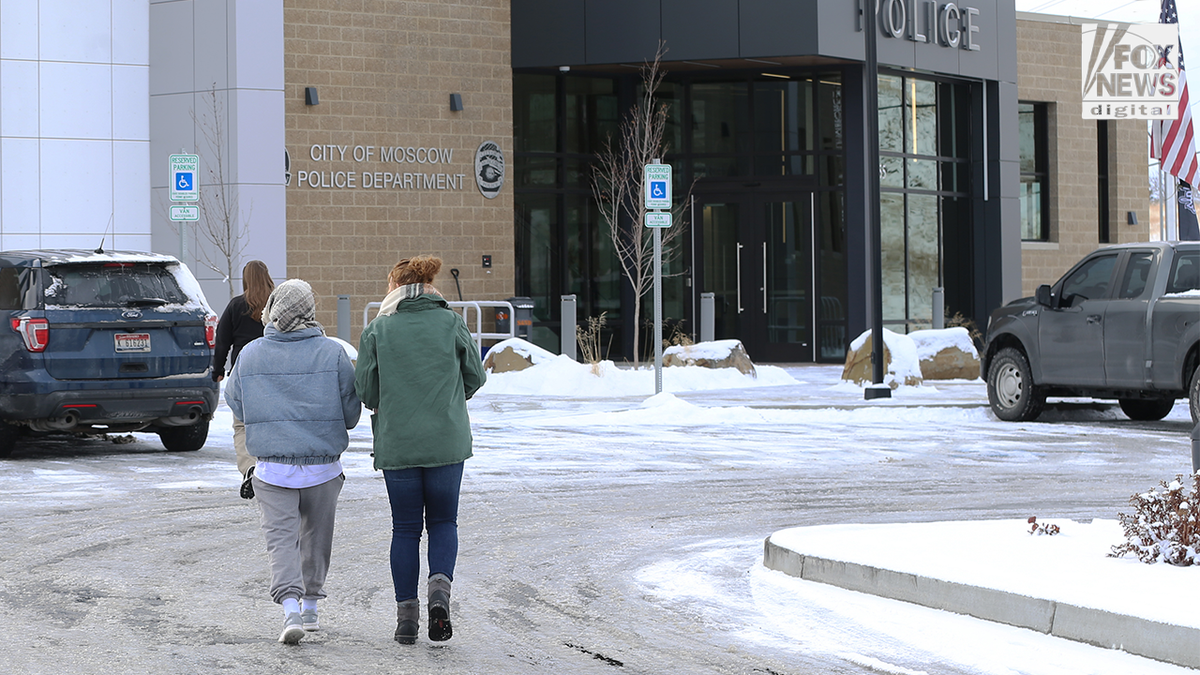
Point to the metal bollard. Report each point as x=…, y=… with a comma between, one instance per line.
x=708, y=316
x=569, y=327
x=939, y=308
x=343, y=317
x=1196, y=448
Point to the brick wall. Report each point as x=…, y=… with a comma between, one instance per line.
x=384, y=71
x=1049, y=71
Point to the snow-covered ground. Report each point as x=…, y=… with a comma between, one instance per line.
x=637, y=522
x=783, y=611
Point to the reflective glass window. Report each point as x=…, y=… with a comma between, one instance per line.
x=534, y=113
x=591, y=113
x=891, y=113
x=720, y=113
x=1034, y=160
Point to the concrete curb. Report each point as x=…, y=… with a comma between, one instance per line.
x=1178, y=645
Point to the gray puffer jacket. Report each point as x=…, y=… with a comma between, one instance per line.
x=294, y=392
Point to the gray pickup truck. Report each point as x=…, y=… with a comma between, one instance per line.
x=1122, y=324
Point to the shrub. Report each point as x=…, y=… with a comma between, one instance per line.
x=589, y=340
x=1164, y=525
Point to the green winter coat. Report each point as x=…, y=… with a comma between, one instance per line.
x=416, y=369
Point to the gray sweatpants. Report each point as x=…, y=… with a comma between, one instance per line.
x=298, y=527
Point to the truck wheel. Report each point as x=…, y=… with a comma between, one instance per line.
x=1011, y=391
x=9, y=433
x=184, y=439
x=1147, y=409
x=1194, y=396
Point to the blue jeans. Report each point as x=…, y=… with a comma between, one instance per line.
x=423, y=498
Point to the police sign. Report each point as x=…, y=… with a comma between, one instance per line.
x=185, y=175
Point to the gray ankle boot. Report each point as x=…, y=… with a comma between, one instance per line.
x=407, y=615
x=439, y=608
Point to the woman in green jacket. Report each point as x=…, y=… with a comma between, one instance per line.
x=417, y=366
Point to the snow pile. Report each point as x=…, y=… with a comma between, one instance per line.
x=1072, y=567
x=717, y=350
x=930, y=342
x=904, y=365
x=554, y=375
x=531, y=352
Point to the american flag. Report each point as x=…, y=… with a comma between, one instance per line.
x=1172, y=141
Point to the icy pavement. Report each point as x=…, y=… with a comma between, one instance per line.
x=601, y=530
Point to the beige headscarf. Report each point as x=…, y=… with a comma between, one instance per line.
x=292, y=306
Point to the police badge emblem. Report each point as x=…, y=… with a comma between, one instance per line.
x=489, y=169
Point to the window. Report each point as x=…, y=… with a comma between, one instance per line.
x=1185, y=272
x=924, y=168
x=113, y=285
x=1137, y=273
x=1090, y=281
x=10, y=288
x=1035, y=205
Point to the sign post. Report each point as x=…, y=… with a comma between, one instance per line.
x=184, y=187
x=657, y=185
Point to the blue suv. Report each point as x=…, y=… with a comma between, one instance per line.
x=99, y=342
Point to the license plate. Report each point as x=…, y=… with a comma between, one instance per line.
x=132, y=342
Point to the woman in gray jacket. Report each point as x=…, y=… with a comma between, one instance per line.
x=293, y=389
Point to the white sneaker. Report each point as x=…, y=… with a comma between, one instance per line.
x=309, y=618
x=293, y=629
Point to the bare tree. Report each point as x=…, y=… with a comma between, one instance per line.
x=617, y=185
x=221, y=223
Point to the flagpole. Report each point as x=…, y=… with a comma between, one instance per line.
x=1162, y=203
x=1172, y=212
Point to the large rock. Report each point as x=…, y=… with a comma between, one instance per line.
x=505, y=360
x=947, y=354
x=902, y=370
x=717, y=354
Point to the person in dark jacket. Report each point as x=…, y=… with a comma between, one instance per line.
x=417, y=366
x=240, y=323
x=294, y=391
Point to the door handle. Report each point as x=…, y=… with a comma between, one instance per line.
x=1093, y=319
x=739, y=278
x=764, y=271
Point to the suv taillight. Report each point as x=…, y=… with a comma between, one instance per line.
x=35, y=332
x=210, y=330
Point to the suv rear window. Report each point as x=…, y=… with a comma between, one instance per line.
x=113, y=285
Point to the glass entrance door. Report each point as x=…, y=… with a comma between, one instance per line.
x=758, y=263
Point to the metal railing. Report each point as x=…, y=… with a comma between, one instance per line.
x=464, y=307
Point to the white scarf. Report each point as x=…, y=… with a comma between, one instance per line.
x=405, y=292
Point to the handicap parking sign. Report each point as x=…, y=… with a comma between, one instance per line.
x=184, y=170
x=658, y=186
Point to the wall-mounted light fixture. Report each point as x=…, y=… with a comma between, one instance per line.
x=456, y=102
x=310, y=96
x=1131, y=217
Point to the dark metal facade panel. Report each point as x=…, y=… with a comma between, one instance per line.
x=936, y=58
x=899, y=52
x=985, y=63
x=1006, y=121
x=1006, y=40
x=778, y=27
x=700, y=29
x=547, y=33
x=838, y=31
x=622, y=31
